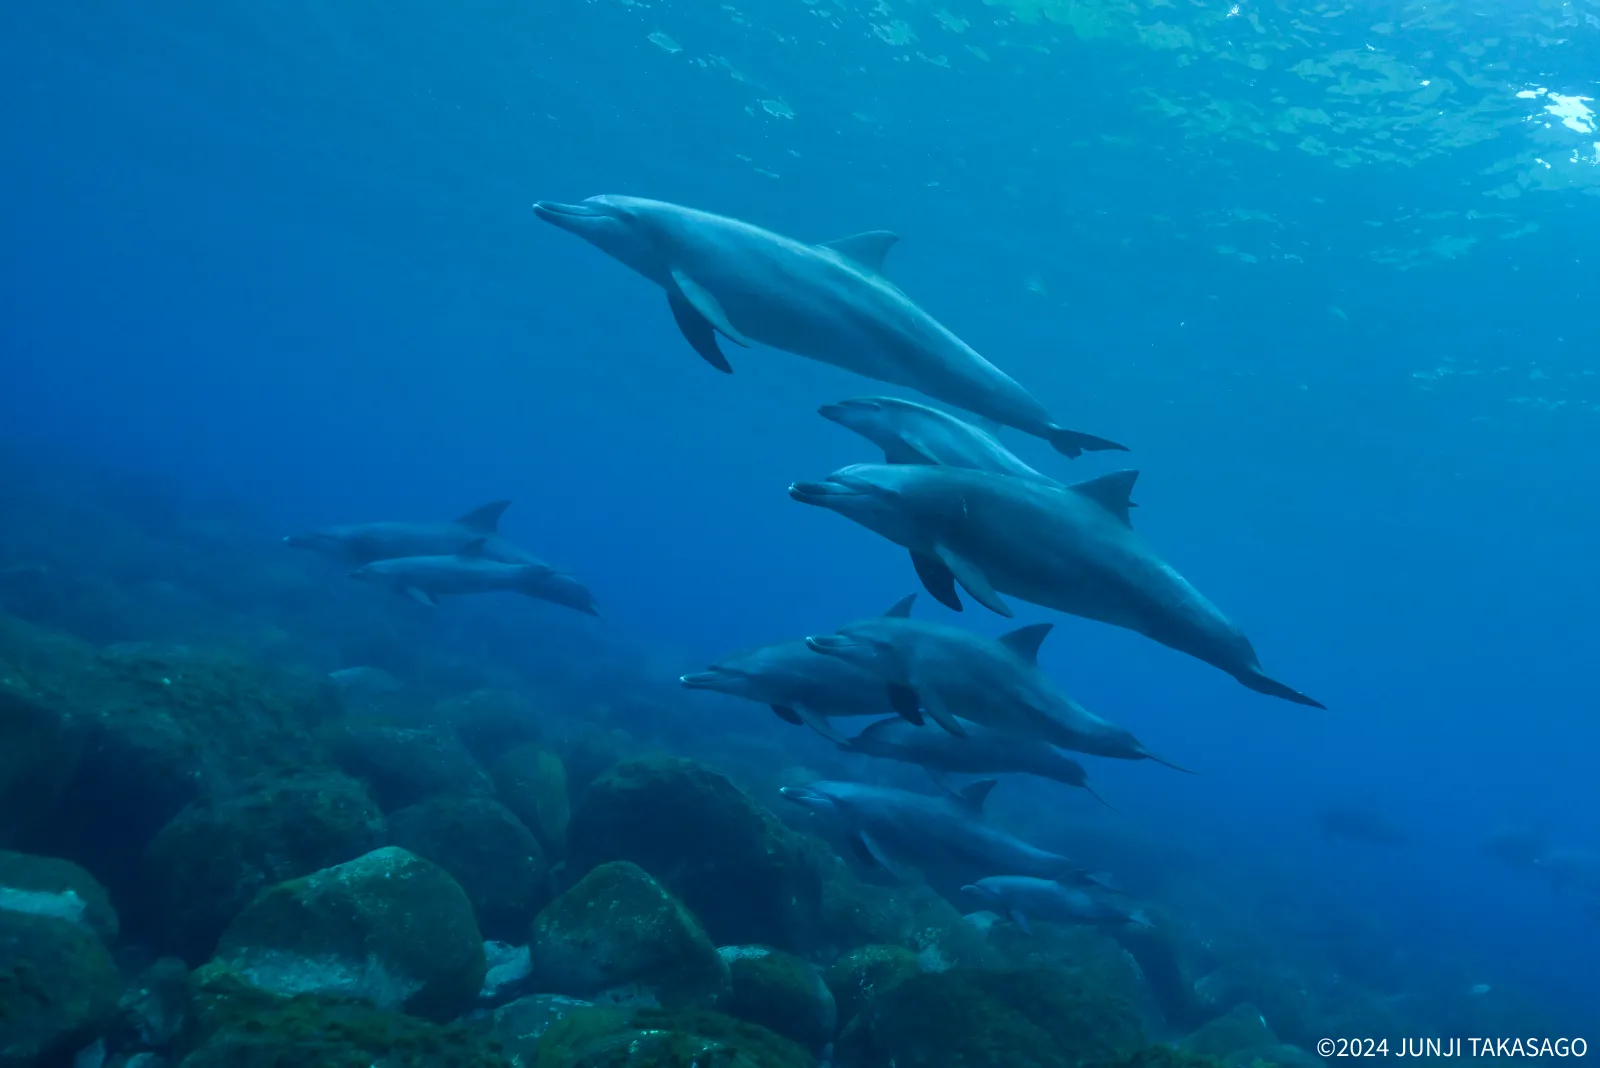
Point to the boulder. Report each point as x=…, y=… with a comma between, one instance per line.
x=532, y=782
x=404, y=765
x=58, y=988
x=50, y=886
x=782, y=993
x=389, y=928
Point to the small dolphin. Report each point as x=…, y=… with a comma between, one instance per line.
x=362, y=543
x=903, y=832
x=799, y=685
x=1021, y=896
x=1359, y=823
x=427, y=578
x=982, y=752
x=827, y=302
x=911, y=433
x=995, y=682
x=1070, y=548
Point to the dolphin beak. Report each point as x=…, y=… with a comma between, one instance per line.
x=699, y=680
x=828, y=644
x=833, y=412
x=552, y=211
x=819, y=493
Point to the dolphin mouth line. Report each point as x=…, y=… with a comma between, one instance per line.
x=551, y=209
x=816, y=492
x=799, y=794
x=700, y=680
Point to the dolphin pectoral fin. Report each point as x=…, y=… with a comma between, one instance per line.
x=973, y=580
x=421, y=596
x=1073, y=444
x=698, y=333
x=867, y=249
x=1110, y=492
x=903, y=699
x=787, y=714
x=701, y=300
x=875, y=853
x=1021, y=920
x=820, y=724
x=937, y=711
x=1260, y=683
x=936, y=579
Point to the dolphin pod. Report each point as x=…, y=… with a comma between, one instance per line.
x=827, y=302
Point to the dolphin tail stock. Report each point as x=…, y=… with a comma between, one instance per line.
x=1074, y=443
x=1255, y=679
x=1164, y=762
x=1096, y=795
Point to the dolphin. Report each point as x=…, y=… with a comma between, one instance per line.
x=427, y=578
x=996, y=682
x=912, y=433
x=1071, y=548
x=1021, y=896
x=827, y=302
x=904, y=832
x=982, y=752
x=362, y=543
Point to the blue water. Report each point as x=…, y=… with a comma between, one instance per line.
x=283, y=254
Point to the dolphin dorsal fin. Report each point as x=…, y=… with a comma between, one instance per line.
x=973, y=795
x=484, y=519
x=472, y=548
x=1110, y=492
x=901, y=609
x=868, y=249
x=1025, y=641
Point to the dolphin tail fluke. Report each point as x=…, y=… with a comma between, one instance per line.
x=1074, y=443
x=1260, y=683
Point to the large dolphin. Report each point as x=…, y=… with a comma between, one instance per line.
x=1021, y=896
x=427, y=578
x=983, y=751
x=912, y=433
x=993, y=681
x=1071, y=548
x=828, y=302
x=362, y=543
x=899, y=831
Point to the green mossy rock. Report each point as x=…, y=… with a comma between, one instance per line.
x=58, y=988
x=859, y=977
x=404, y=765
x=520, y=1025
x=532, y=782
x=389, y=927
x=618, y=928
x=57, y=887
x=218, y=853
x=651, y=1038
x=1030, y=1018
x=1280, y=994
x=1241, y=1027
x=1163, y=1056
x=487, y=850
x=238, y=1026
x=750, y=878
x=780, y=992
x=491, y=722
x=39, y=749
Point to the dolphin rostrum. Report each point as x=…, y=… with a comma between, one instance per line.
x=1021, y=896
x=995, y=682
x=912, y=433
x=983, y=751
x=362, y=543
x=899, y=831
x=827, y=302
x=1071, y=548
x=427, y=578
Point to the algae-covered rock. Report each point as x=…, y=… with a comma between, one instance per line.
x=532, y=782
x=862, y=975
x=153, y=1008
x=782, y=993
x=404, y=765
x=218, y=853
x=619, y=928
x=750, y=878
x=1029, y=1018
x=39, y=748
x=58, y=988
x=1241, y=1027
x=55, y=887
x=1279, y=994
x=388, y=927
x=491, y=722
x=487, y=850
x=238, y=1026
x=654, y=1038
x=855, y=913
x=1164, y=1056
x=519, y=1025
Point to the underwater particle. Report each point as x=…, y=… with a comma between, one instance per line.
x=1479, y=989
x=777, y=109
x=665, y=43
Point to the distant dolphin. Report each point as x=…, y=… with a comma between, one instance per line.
x=1021, y=896
x=828, y=302
x=362, y=543
x=1069, y=548
x=427, y=578
x=912, y=433
x=993, y=681
x=899, y=831
x=983, y=751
